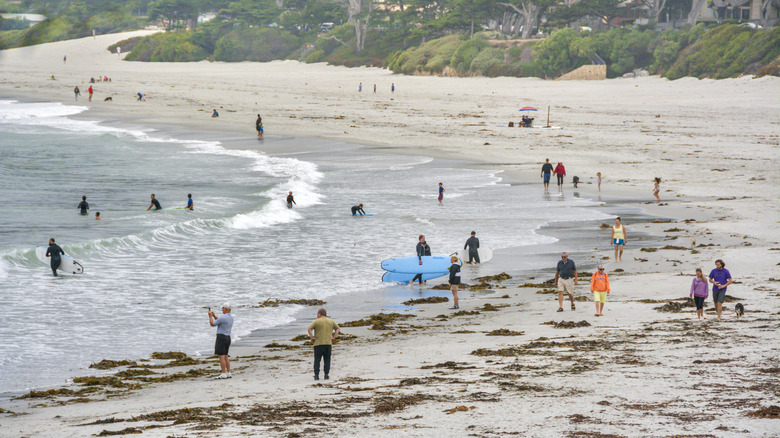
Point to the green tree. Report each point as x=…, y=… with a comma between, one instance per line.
x=173, y=12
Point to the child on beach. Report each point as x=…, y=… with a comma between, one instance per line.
x=598, y=179
x=657, y=188
x=441, y=192
x=699, y=292
x=454, y=280
x=97, y=216
x=599, y=285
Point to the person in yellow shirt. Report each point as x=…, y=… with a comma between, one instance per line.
x=325, y=332
x=599, y=285
x=618, y=238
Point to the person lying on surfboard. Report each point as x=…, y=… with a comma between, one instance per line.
x=358, y=209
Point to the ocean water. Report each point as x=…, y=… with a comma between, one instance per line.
x=149, y=275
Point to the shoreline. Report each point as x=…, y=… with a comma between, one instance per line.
x=636, y=372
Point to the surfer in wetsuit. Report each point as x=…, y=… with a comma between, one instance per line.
x=290, y=200
x=422, y=250
x=83, y=205
x=190, y=205
x=473, y=245
x=54, y=252
x=358, y=209
x=155, y=203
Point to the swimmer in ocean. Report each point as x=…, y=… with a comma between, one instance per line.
x=290, y=200
x=155, y=203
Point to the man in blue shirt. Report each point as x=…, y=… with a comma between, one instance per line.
x=567, y=273
x=720, y=277
x=224, y=325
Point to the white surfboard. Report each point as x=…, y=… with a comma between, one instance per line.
x=485, y=255
x=67, y=264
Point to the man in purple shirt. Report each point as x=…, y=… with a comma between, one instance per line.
x=720, y=278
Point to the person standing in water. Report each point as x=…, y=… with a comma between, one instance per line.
x=83, y=205
x=598, y=179
x=190, y=205
x=560, y=172
x=90, y=91
x=441, y=192
x=54, y=252
x=97, y=216
x=699, y=292
x=259, y=126
x=290, y=200
x=76, y=92
x=422, y=250
x=657, y=188
x=473, y=245
x=547, y=169
x=358, y=209
x=618, y=238
x=155, y=203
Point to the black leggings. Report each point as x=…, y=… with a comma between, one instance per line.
x=417, y=277
x=55, y=263
x=560, y=179
x=699, y=302
x=322, y=352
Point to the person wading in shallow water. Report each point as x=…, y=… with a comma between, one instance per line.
x=54, y=252
x=422, y=250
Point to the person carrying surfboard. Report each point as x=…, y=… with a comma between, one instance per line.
x=422, y=250
x=290, y=200
x=155, y=203
x=358, y=209
x=190, y=205
x=54, y=252
x=473, y=245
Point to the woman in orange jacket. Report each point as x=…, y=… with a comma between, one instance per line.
x=599, y=285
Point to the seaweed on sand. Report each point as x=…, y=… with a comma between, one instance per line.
x=491, y=308
x=428, y=300
x=106, y=364
x=270, y=302
x=768, y=412
x=378, y=321
x=504, y=332
x=125, y=431
x=58, y=392
x=674, y=307
x=388, y=404
x=452, y=365
x=567, y=324
x=169, y=355
x=280, y=346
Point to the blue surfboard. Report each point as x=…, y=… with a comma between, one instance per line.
x=400, y=277
x=411, y=265
x=357, y=215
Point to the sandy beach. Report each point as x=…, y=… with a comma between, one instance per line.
x=504, y=365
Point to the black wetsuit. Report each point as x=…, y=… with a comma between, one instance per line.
x=356, y=209
x=472, y=244
x=54, y=252
x=84, y=206
x=290, y=201
x=156, y=204
x=422, y=250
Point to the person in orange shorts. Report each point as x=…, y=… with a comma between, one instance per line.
x=599, y=285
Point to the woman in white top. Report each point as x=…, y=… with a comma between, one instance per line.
x=618, y=238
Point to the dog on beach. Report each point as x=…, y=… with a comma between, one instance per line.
x=740, y=309
x=108, y=99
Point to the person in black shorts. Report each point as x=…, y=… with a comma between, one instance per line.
x=83, y=205
x=155, y=203
x=358, y=209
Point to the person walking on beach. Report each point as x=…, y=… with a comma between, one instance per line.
x=599, y=285
x=560, y=172
x=259, y=126
x=190, y=204
x=325, y=332
x=720, y=277
x=374, y=88
x=90, y=91
x=598, y=179
x=83, y=205
x=65, y=59
x=699, y=292
x=473, y=245
x=618, y=238
x=657, y=188
x=76, y=92
x=422, y=250
x=224, y=325
x=358, y=209
x=155, y=203
x=54, y=251
x=454, y=280
x=565, y=280
x=360, y=87
x=392, y=87
x=441, y=192
x=547, y=169
x=290, y=200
